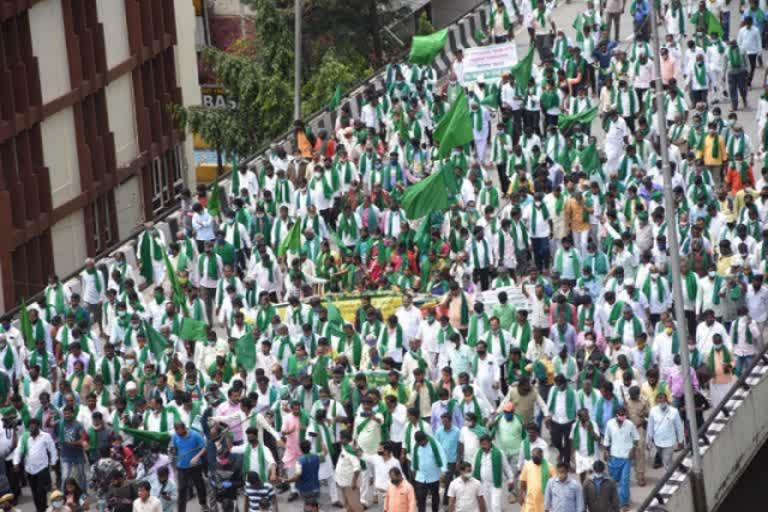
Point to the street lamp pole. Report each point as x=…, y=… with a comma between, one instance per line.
x=297, y=60
x=696, y=474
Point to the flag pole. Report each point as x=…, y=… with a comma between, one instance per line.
x=696, y=473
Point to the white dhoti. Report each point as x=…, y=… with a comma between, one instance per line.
x=584, y=463
x=158, y=272
x=717, y=392
x=613, y=155
x=481, y=144
x=492, y=497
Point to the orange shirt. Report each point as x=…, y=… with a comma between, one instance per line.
x=400, y=498
x=734, y=181
x=574, y=216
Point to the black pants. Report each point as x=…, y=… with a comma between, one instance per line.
x=448, y=479
x=40, y=486
x=550, y=120
x=503, y=178
x=541, y=252
x=640, y=94
x=422, y=490
x=699, y=96
x=14, y=479
x=532, y=118
x=187, y=478
x=329, y=216
x=482, y=276
x=209, y=297
x=690, y=322
x=737, y=85
x=752, y=65
x=630, y=120
x=561, y=434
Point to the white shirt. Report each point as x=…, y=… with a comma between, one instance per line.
x=381, y=469
x=749, y=40
x=410, y=320
x=89, y=293
x=620, y=439
x=151, y=505
x=346, y=467
x=665, y=428
x=466, y=493
x=757, y=303
x=41, y=453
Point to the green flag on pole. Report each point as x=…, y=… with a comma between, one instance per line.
x=148, y=436
x=522, y=70
x=178, y=293
x=26, y=326
x=589, y=159
x=424, y=49
x=235, y=178
x=335, y=99
x=713, y=25
x=479, y=36
x=214, y=207
x=432, y=193
x=195, y=330
x=292, y=241
x=455, y=128
x=245, y=348
x=157, y=344
x=565, y=122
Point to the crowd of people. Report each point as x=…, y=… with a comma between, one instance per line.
x=437, y=389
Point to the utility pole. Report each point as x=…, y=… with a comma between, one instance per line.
x=297, y=60
x=696, y=473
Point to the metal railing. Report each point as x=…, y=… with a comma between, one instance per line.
x=722, y=407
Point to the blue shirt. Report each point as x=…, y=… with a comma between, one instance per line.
x=449, y=441
x=429, y=471
x=641, y=10
x=186, y=448
x=563, y=496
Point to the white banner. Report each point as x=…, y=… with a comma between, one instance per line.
x=515, y=296
x=488, y=62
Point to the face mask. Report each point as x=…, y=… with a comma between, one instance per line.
x=430, y=319
x=668, y=330
x=621, y=418
x=466, y=476
x=509, y=415
x=663, y=407
x=57, y=503
x=711, y=275
x=590, y=343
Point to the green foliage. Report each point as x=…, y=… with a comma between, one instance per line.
x=424, y=25
x=331, y=73
x=262, y=111
x=273, y=37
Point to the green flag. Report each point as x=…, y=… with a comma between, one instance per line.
x=214, y=208
x=402, y=129
x=424, y=49
x=590, y=160
x=178, y=293
x=432, y=193
x=479, y=36
x=564, y=122
x=713, y=25
x=335, y=100
x=26, y=326
x=334, y=315
x=455, y=128
x=235, y=178
x=292, y=241
x=157, y=344
x=148, y=436
x=195, y=330
x=523, y=69
x=245, y=349
x=491, y=100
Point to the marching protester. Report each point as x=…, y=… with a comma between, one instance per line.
x=452, y=300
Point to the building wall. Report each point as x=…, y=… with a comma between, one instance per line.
x=88, y=147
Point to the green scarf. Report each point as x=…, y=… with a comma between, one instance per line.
x=659, y=289
x=321, y=430
x=150, y=252
x=734, y=57
x=524, y=337
x=384, y=345
x=570, y=402
x=262, y=461
x=8, y=358
x=534, y=214
x=348, y=448
x=711, y=358
x=495, y=465
x=637, y=327
x=691, y=285
x=700, y=73
x=42, y=360
x=573, y=258
x=208, y=265
x=435, y=454
x=96, y=280
x=357, y=348
x=472, y=332
x=735, y=335
x=475, y=257
x=576, y=441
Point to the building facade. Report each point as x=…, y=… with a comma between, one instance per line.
x=88, y=147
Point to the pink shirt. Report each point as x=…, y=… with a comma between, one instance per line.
x=674, y=379
x=291, y=432
x=668, y=69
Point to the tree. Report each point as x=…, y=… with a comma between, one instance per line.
x=424, y=25
x=261, y=114
x=318, y=90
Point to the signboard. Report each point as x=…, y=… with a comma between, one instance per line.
x=488, y=62
x=213, y=96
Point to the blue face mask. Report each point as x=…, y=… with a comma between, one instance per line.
x=509, y=415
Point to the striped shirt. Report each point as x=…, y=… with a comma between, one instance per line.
x=258, y=495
